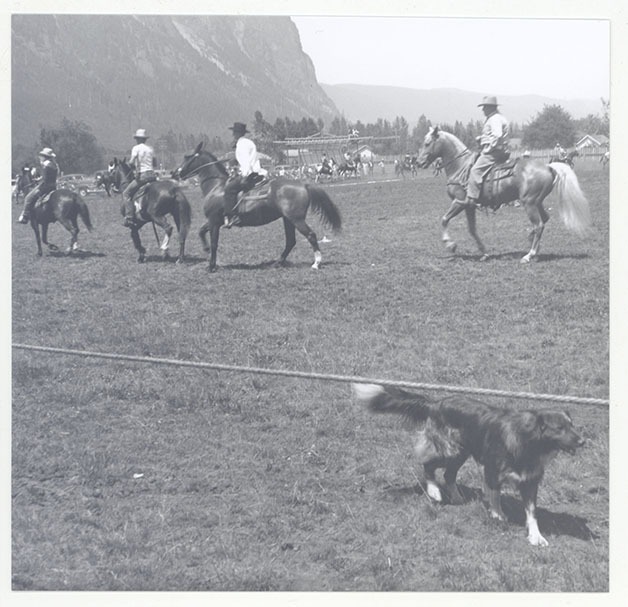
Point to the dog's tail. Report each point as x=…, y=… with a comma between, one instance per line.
x=379, y=399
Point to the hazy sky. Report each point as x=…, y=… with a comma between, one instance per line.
x=565, y=59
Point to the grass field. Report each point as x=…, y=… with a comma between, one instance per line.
x=134, y=477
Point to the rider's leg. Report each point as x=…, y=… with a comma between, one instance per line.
x=476, y=176
x=129, y=207
x=232, y=187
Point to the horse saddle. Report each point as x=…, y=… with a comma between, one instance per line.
x=259, y=191
x=44, y=199
x=491, y=186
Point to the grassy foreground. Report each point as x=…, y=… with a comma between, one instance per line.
x=133, y=477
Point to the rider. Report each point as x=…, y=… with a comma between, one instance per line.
x=559, y=152
x=143, y=162
x=47, y=183
x=250, y=170
x=493, y=148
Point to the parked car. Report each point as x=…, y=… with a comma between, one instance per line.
x=70, y=180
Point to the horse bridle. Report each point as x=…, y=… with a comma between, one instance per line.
x=460, y=155
x=197, y=169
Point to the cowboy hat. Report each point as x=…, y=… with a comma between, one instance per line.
x=48, y=153
x=489, y=100
x=140, y=134
x=238, y=127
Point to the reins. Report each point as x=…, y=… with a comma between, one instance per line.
x=197, y=169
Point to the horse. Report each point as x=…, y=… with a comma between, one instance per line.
x=282, y=197
x=326, y=169
x=64, y=206
x=605, y=158
x=568, y=159
x=438, y=167
x=529, y=181
x=104, y=180
x=158, y=199
x=23, y=185
x=400, y=169
x=346, y=168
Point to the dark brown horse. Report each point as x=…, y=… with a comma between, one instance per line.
x=528, y=181
x=64, y=206
x=281, y=198
x=158, y=199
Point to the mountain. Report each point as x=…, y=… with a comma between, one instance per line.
x=192, y=74
x=368, y=103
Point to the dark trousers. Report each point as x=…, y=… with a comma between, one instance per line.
x=235, y=185
x=33, y=196
x=132, y=188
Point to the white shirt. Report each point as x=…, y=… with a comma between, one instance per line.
x=246, y=155
x=142, y=157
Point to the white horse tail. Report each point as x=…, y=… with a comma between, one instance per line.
x=572, y=203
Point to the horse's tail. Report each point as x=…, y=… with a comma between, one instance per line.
x=324, y=206
x=84, y=212
x=572, y=203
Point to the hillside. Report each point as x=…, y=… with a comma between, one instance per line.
x=191, y=74
x=368, y=103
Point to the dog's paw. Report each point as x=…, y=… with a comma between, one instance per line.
x=537, y=540
x=434, y=492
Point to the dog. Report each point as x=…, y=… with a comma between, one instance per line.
x=512, y=446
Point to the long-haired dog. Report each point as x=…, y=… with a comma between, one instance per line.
x=512, y=446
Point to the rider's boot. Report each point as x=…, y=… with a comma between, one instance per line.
x=24, y=217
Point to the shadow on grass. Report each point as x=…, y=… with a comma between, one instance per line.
x=514, y=256
x=80, y=254
x=273, y=264
x=556, y=523
x=549, y=522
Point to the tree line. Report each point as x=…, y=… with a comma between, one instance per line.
x=78, y=150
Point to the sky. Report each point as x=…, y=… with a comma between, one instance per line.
x=563, y=59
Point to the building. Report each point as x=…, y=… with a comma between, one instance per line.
x=590, y=141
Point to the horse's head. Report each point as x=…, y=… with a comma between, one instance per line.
x=120, y=172
x=200, y=161
x=443, y=145
x=432, y=147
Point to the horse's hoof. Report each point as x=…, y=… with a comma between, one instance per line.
x=525, y=259
x=451, y=246
x=484, y=257
x=212, y=269
x=140, y=259
x=316, y=266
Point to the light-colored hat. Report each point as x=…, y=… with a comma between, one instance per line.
x=48, y=153
x=238, y=127
x=489, y=100
x=140, y=134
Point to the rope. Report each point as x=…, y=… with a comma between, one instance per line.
x=319, y=376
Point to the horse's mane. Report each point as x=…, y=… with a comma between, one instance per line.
x=219, y=165
x=459, y=146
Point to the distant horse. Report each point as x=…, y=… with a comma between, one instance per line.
x=348, y=168
x=438, y=167
x=605, y=158
x=568, y=159
x=326, y=170
x=105, y=181
x=400, y=169
x=64, y=206
x=23, y=185
x=282, y=198
x=158, y=199
x=414, y=166
x=526, y=180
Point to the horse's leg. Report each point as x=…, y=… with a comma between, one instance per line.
x=135, y=237
x=35, y=227
x=455, y=209
x=214, y=233
x=539, y=217
x=472, y=224
x=311, y=237
x=72, y=227
x=291, y=240
x=203, y=236
x=44, y=238
x=163, y=223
